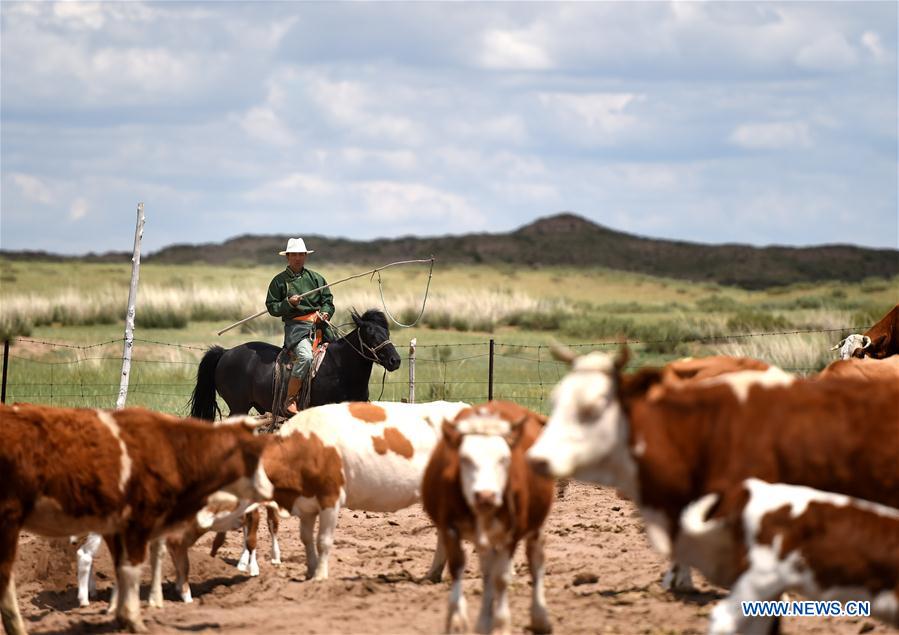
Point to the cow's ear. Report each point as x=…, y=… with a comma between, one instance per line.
x=562, y=353
x=451, y=434
x=513, y=436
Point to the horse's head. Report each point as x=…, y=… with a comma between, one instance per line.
x=374, y=336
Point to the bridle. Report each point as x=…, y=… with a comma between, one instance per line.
x=373, y=350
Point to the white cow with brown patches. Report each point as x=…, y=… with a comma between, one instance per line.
x=130, y=475
x=825, y=546
x=366, y=456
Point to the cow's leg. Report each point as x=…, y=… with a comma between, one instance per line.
x=539, y=615
x=679, y=577
x=87, y=585
x=727, y=616
x=115, y=550
x=217, y=542
x=179, y=548
x=9, y=606
x=132, y=554
x=307, y=535
x=272, y=518
x=327, y=524
x=487, y=558
x=435, y=572
x=248, y=560
x=501, y=579
x=157, y=553
x=457, y=613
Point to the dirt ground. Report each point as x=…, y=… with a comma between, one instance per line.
x=602, y=577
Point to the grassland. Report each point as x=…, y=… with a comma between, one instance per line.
x=522, y=309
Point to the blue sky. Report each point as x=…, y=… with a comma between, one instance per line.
x=762, y=123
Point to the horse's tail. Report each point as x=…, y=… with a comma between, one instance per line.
x=203, y=404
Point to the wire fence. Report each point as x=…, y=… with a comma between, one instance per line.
x=163, y=374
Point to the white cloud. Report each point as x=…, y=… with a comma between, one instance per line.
x=396, y=202
x=602, y=116
x=772, y=136
x=871, y=41
x=831, y=52
x=89, y=15
x=79, y=209
x=33, y=188
x=285, y=190
x=263, y=124
x=513, y=50
x=401, y=160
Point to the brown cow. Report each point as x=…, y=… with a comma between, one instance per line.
x=879, y=341
x=130, y=475
x=699, y=368
x=793, y=538
x=865, y=368
x=666, y=448
x=477, y=486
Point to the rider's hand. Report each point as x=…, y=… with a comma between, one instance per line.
x=324, y=316
x=294, y=300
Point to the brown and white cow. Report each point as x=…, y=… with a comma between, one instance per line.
x=679, y=577
x=366, y=456
x=129, y=475
x=879, y=341
x=479, y=487
x=772, y=538
x=665, y=447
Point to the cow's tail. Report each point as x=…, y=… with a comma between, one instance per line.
x=203, y=404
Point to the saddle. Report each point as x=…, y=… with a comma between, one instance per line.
x=284, y=364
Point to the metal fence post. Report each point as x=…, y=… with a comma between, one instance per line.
x=412, y=370
x=490, y=374
x=5, y=366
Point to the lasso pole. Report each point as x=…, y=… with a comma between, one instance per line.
x=325, y=286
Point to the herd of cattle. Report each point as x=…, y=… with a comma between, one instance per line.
x=763, y=481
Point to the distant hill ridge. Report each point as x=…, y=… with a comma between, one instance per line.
x=562, y=239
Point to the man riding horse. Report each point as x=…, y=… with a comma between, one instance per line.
x=301, y=315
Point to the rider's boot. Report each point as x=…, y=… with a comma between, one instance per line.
x=293, y=390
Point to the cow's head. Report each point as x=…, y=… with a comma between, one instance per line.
x=587, y=433
x=484, y=441
x=852, y=346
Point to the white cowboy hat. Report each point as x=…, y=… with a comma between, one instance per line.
x=296, y=246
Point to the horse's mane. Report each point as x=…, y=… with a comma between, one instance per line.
x=373, y=315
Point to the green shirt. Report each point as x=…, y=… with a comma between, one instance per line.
x=288, y=283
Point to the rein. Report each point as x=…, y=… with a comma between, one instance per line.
x=362, y=345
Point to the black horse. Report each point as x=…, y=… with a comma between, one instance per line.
x=244, y=375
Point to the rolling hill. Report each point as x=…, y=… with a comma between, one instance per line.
x=563, y=239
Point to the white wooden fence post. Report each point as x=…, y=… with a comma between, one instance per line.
x=412, y=370
x=129, y=317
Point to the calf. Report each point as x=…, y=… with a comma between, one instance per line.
x=665, y=447
x=792, y=538
x=879, y=341
x=360, y=455
x=129, y=475
x=478, y=487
